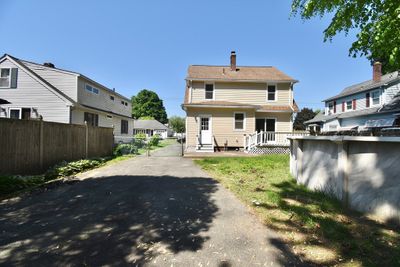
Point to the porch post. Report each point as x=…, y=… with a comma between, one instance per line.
x=244, y=142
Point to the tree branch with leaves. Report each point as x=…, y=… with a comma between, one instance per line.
x=378, y=22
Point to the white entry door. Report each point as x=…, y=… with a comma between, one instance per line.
x=205, y=130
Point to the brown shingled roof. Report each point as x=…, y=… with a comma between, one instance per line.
x=260, y=108
x=267, y=73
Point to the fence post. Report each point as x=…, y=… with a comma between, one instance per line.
x=41, y=145
x=86, y=140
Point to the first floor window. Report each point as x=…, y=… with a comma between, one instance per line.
x=15, y=113
x=271, y=93
x=5, y=79
x=124, y=126
x=91, y=119
x=349, y=105
x=376, y=100
x=239, y=121
x=209, y=91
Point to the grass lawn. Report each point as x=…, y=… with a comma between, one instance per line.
x=161, y=144
x=316, y=228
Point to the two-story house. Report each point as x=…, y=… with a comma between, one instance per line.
x=224, y=104
x=372, y=103
x=36, y=91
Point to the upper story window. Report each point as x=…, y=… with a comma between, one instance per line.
x=112, y=98
x=209, y=91
x=239, y=121
x=349, y=105
x=92, y=89
x=5, y=78
x=375, y=98
x=271, y=94
x=331, y=107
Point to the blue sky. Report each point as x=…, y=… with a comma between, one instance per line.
x=131, y=45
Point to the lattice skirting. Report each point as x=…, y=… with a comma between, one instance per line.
x=270, y=150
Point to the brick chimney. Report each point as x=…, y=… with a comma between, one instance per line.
x=377, y=71
x=233, y=61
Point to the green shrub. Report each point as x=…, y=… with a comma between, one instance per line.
x=125, y=149
x=64, y=168
x=139, y=140
x=10, y=184
x=154, y=140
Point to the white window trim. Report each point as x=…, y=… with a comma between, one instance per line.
x=352, y=108
x=276, y=92
x=333, y=107
x=244, y=121
x=20, y=112
x=92, y=89
x=213, y=84
x=371, y=99
x=9, y=79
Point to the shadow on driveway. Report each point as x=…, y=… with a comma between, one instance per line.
x=115, y=220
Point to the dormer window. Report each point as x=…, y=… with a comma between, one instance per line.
x=92, y=89
x=209, y=91
x=271, y=94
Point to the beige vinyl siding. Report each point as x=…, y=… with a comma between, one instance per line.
x=64, y=82
x=102, y=100
x=32, y=94
x=115, y=121
x=240, y=92
x=222, y=126
x=283, y=120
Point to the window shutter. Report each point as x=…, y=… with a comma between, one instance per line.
x=334, y=106
x=14, y=74
x=367, y=97
x=343, y=106
x=354, y=104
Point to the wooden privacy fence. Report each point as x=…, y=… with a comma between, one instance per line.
x=31, y=146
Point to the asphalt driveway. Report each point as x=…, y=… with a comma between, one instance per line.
x=157, y=211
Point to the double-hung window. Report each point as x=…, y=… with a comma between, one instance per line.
x=5, y=78
x=349, y=105
x=330, y=107
x=239, y=121
x=376, y=98
x=124, y=126
x=209, y=91
x=271, y=94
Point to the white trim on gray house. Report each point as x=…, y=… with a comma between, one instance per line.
x=359, y=105
x=53, y=94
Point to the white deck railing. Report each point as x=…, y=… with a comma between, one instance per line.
x=270, y=139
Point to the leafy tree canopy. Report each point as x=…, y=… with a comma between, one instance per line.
x=147, y=118
x=177, y=124
x=304, y=115
x=378, y=22
x=147, y=104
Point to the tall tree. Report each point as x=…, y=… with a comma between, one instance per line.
x=377, y=22
x=177, y=124
x=305, y=114
x=147, y=104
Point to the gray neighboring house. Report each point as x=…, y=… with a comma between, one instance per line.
x=35, y=91
x=373, y=103
x=150, y=128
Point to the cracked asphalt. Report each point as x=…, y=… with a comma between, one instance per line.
x=146, y=211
